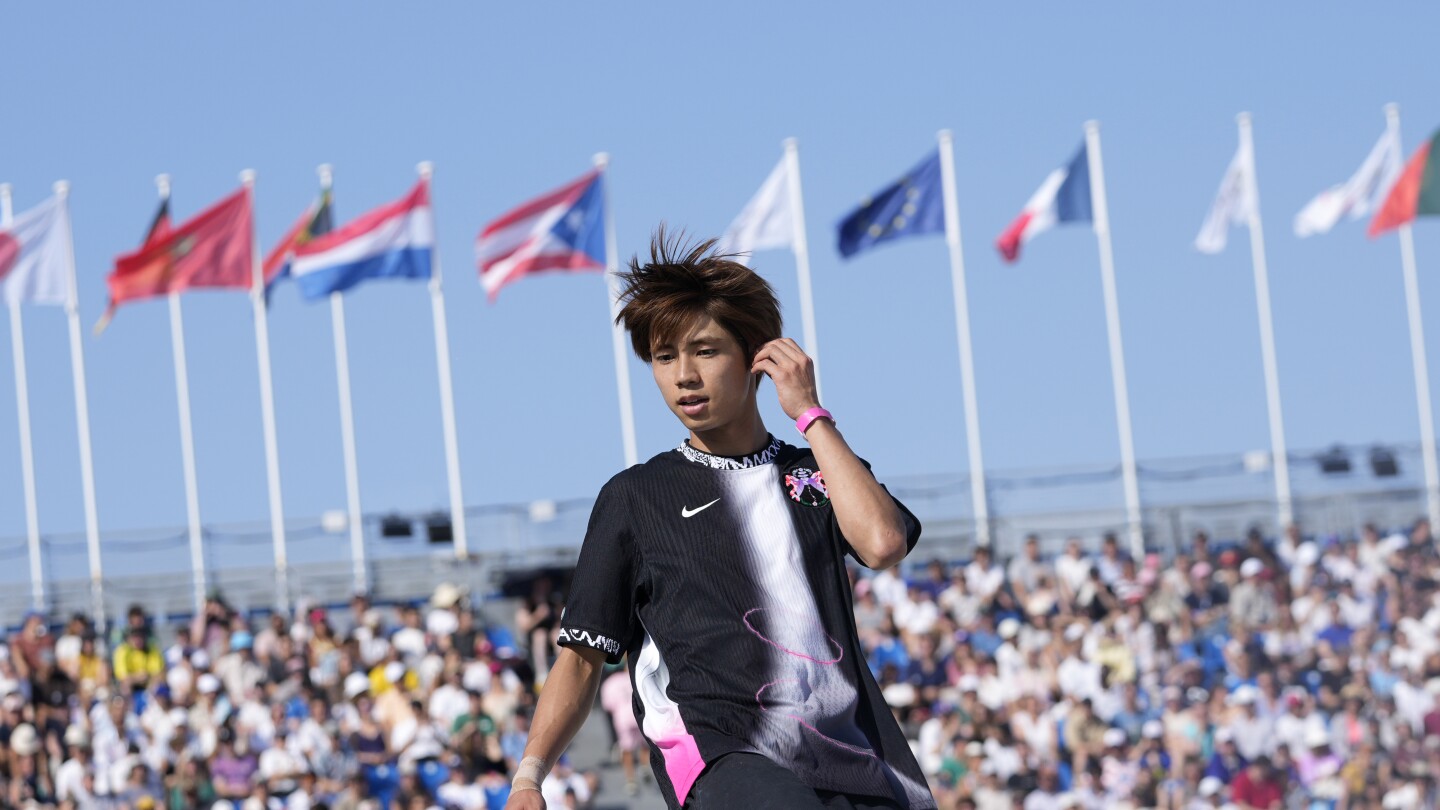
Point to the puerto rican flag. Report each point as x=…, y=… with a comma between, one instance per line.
x=393, y=241
x=1063, y=197
x=560, y=230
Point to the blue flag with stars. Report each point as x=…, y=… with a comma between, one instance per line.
x=910, y=206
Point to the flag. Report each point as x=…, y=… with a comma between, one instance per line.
x=1234, y=204
x=765, y=222
x=396, y=240
x=316, y=221
x=561, y=230
x=910, y=206
x=1416, y=193
x=1357, y=196
x=1063, y=197
x=35, y=263
x=214, y=249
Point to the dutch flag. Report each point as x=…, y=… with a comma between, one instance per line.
x=393, y=241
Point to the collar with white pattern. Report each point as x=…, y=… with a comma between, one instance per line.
x=713, y=461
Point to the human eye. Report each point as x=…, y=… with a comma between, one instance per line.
x=662, y=357
x=707, y=352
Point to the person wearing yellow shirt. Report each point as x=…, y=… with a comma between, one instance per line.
x=137, y=659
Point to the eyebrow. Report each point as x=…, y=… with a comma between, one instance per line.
x=705, y=337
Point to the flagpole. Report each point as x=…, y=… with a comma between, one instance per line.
x=801, y=246
x=1267, y=335
x=27, y=450
x=447, y=393
x=347, y=420
x=82, y=420
x=1417, y=348
x=267, y=403
x=187, y=436
x=617, y=332
x=978, y=493
x=1101, y=205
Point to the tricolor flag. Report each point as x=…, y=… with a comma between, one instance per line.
x=1357, y=196
x=1416, y=193
x=316, y=221
x=35, y=263
x=393, y=241
x=213, y=250
x=561, y=230
x=1063, y=197
x=765, y=223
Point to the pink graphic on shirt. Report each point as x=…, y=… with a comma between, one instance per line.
x=759, y=698
x=682, y=761
x=839, y=651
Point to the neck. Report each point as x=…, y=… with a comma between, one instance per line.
x=737, y=438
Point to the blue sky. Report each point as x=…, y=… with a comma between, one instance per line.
x=693, y=102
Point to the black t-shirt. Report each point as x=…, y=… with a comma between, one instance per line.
x=724, y=580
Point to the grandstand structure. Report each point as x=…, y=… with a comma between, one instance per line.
x=1338, y=490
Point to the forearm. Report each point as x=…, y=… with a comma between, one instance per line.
x=565, y=702
x=867, y=515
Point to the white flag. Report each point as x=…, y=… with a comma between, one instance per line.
x=1234, y=203
x=1358, y=195
x=35, y=255
x=765, y=222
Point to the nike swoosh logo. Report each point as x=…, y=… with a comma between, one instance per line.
x=686, y=512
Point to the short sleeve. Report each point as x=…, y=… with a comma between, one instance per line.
x=912, y=526
x=600, y=612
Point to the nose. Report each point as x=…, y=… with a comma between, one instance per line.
x=687, y=375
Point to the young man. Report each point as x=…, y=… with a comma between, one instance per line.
x=718, y=567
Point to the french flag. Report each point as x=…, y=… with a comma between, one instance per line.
x=393, y=241
x=1063, y=197
x=561, y=230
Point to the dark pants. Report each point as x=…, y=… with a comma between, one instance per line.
x=753, y=782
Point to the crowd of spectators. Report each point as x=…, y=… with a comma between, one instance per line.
x=407, y=707
x=1300, y=673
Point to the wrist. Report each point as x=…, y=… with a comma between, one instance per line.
x=529, y=774
x=810, y=417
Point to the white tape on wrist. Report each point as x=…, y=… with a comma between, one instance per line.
x=529, y=774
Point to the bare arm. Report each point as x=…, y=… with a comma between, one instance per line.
x=565, y=702
x=867, y=515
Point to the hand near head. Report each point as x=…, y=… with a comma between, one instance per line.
x=793, y=373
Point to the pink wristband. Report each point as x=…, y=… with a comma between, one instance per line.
x=808, y=418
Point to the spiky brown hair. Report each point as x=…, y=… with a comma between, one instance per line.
x=682, y=281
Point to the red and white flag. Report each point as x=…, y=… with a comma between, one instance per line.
x=35, y=262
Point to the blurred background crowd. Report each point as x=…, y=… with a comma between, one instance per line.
x=1295, y=672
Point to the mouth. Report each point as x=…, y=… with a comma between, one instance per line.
x=693, y=405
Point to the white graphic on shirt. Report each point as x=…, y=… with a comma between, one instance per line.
x=686, y=511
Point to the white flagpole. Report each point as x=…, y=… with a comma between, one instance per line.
x=447, y=393
x=1417, y=349
x=187, y=435
x=347, y=421
x=267, y=403
x=1117, y=351
x=1267, y=335
x=617, y=332
x=801, y=246
x=82, y=420
x=27, y=450
x=978, y=494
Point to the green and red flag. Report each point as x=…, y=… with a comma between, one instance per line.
x=214, y=249
x=1416, y=193
x=316, y=221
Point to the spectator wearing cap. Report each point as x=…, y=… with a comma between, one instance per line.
x=1252, y=605
x=71, y=782
x=1118, y=772
x=237, y=669
x=1254, y=735
x=1226, y=763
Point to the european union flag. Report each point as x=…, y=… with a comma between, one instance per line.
x=911, y=206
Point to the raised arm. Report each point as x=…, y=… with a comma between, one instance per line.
x=868, y=516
